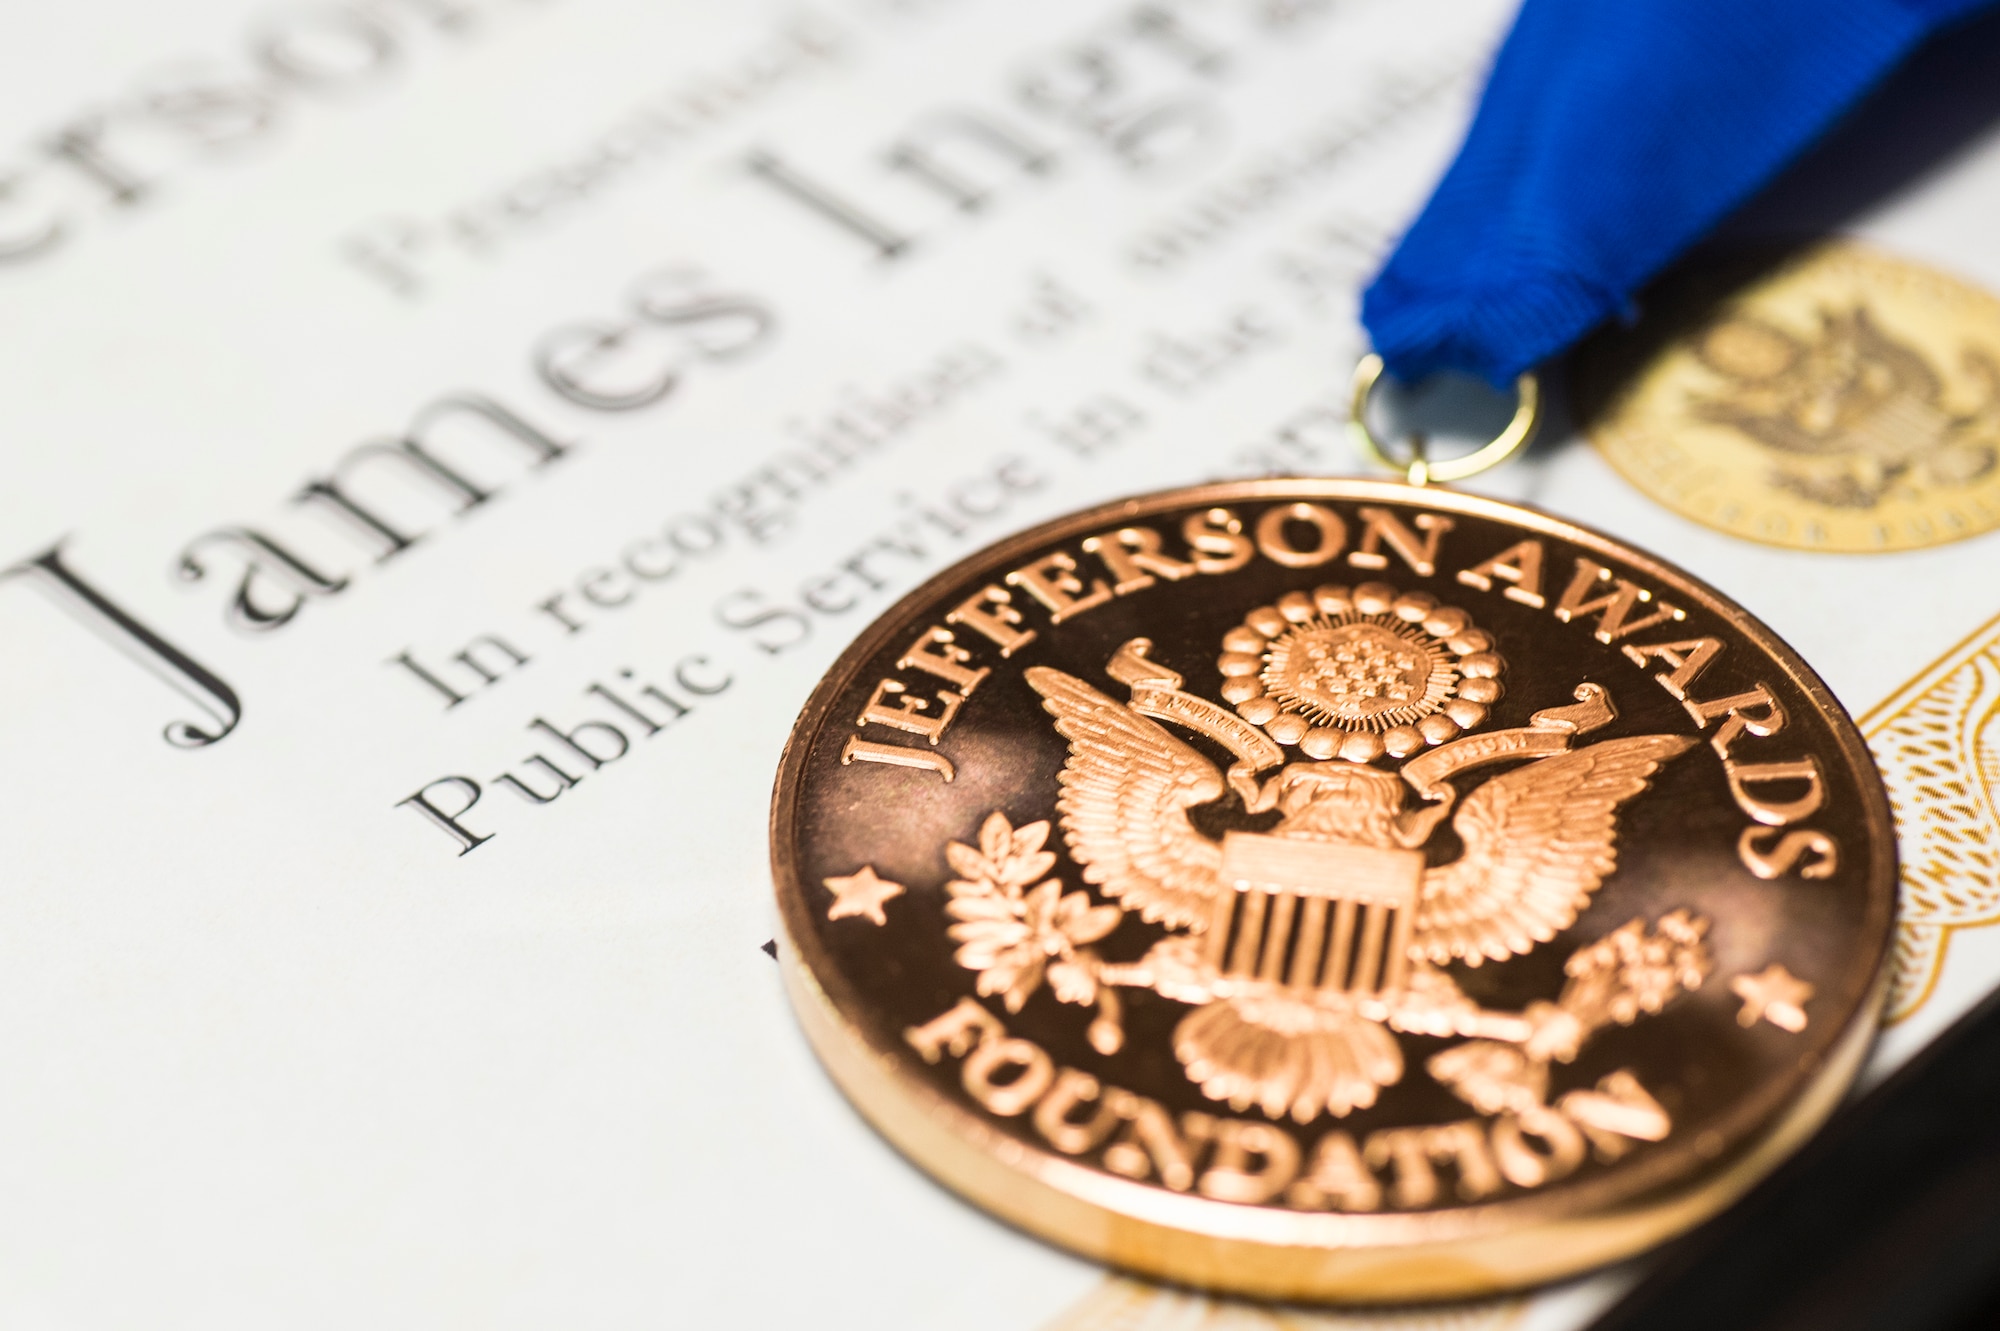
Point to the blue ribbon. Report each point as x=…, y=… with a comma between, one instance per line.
x=1612, y=135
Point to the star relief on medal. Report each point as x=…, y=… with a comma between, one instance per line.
x=861, y=893
x=1775, y=995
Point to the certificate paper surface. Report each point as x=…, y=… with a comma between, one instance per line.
x=444, y=441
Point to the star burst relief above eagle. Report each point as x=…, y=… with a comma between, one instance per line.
x=1303, y=949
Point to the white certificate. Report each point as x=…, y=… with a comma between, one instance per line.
x=441, y=444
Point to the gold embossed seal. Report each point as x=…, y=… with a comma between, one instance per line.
x=1837, y=399
x=1333, y=890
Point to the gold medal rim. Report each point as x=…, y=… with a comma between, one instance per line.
x=1328, y=1256
x=1608, y=434
x=1494, y=1260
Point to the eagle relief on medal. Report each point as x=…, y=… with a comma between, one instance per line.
x=1334, y=849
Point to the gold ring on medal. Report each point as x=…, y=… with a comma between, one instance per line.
x=1418, y=469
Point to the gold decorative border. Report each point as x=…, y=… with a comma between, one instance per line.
x=1937, y=742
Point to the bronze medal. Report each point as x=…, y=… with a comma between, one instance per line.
x=1333, y=889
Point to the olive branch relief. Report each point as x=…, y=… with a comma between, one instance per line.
x=1017, y=928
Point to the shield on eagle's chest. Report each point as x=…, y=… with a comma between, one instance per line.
x=1314, y=914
